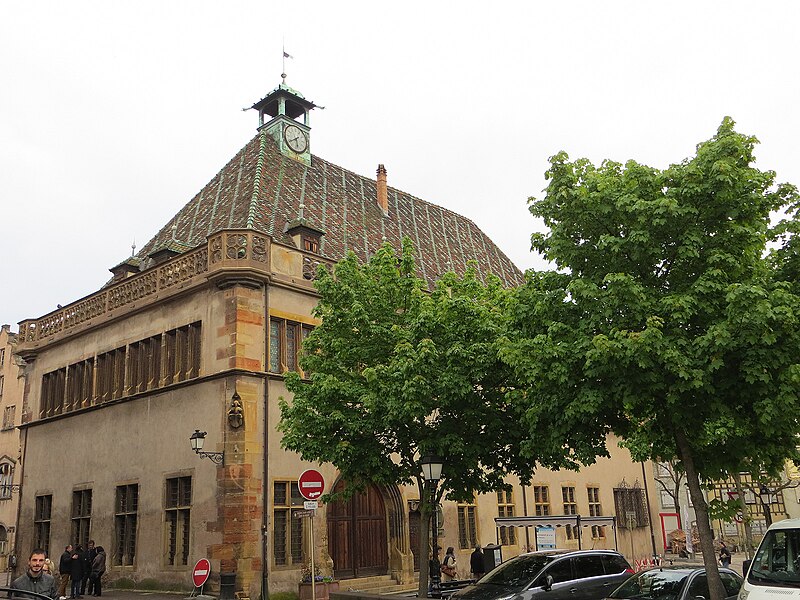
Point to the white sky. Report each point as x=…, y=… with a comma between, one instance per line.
x=114, y=114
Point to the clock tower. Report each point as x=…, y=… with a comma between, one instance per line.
x=279, y=113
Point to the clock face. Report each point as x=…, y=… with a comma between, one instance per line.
x=295, y=138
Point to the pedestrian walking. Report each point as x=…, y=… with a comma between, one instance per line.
x=724, y=554
x=449, y=570
x=476, y=563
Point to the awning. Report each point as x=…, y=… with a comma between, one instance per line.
x=553, y=521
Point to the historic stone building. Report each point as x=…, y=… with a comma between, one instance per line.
x=195, y=332
x=11, y=388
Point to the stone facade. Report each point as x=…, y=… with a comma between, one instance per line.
x=196, y=332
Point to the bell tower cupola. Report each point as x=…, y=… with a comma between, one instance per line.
x=284, y=113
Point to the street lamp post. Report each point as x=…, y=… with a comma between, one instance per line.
x=432, y=472
x=766, y=502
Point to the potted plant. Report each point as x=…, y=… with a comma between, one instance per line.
x=324, y=584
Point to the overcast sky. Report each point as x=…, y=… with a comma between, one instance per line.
x=113, y=115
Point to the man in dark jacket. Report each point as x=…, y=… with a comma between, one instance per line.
x=64, y=569
x=98, y=568
x=88, y=557
x=34, y=580
x=476, y=563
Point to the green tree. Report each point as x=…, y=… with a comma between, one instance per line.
x=666, y=320
x=398, y=372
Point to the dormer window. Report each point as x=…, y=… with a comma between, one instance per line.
x=311, y=243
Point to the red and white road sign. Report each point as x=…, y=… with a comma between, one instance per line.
x=201, y=571
x=311, y=484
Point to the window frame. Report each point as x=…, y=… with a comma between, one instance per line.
x=178, y=520
x=126, y=523
x=467, y=525
x=293, y=545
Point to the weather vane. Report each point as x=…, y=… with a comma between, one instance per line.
x=283, y=63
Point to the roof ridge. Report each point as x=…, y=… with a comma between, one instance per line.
x=251, y=211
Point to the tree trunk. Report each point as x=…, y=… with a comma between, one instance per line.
x=715, y=587
x=748, y=531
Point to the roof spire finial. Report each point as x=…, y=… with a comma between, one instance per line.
x=283, y=63
x=174, y=231
x=133, y=248
x=302, y=206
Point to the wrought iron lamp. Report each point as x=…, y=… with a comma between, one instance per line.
x=766, y=502
x=432, y=473
x=197, y=439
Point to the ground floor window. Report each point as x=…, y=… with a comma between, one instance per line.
x=81, y=516
x=288, y=531
x=467, y=526
x=41, y=522
x=125, y=520
x=177, y=519
x=505, y=508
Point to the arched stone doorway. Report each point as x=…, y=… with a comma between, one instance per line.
x=357, y=531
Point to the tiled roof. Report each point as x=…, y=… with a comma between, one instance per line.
x=261, y=189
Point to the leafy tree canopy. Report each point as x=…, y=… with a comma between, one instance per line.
x=397, y=372
x=666, y=321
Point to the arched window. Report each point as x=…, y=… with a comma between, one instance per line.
x=6, y=479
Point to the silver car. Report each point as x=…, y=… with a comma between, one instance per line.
x=552, y=575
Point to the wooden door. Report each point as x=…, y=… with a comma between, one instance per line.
x=357, y=535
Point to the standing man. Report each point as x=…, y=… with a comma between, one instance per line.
x=88, y=557
x=34, y=579
x=476, y=563
x=64, y=569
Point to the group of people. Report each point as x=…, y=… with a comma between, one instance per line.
x=449, y=569
x=81, y=569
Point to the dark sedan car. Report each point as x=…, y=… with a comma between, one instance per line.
x=674, y=583
x=552, y=575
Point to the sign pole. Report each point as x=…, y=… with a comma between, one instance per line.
x=313, y=573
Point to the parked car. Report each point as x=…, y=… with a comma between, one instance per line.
x=674, y=583
x=552, y=575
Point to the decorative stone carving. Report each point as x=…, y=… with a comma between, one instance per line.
x=216, y=249
x=235, y=246
x=259, y=249
x=310, y=268
x=130, y=291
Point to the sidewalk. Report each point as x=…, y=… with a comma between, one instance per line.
x=737, y=561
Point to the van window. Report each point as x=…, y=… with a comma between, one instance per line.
x=777, y=560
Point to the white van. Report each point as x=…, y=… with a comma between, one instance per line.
x=774, y=573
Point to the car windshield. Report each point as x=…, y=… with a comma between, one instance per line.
x=655, y=584
x=777, y=561
x=519, y=572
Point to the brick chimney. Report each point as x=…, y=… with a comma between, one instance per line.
x=383, y=194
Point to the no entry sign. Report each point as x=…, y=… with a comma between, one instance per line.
x=311, y=484
x=201, y=571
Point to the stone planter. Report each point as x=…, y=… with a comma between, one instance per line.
x=323, y=590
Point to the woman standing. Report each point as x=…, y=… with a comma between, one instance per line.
x=449, y=572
